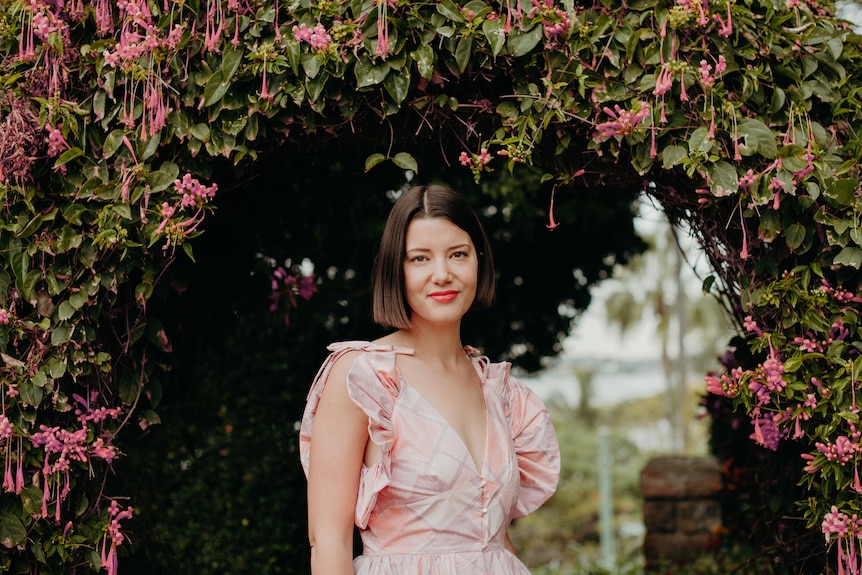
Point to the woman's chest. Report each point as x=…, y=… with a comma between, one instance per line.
x=429, y=456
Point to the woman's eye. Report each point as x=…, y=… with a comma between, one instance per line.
x=460, y=254
x=418, y=259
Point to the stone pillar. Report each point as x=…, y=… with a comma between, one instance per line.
x=682, y=507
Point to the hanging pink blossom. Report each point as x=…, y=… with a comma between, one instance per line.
x=725, y=28
x=115, y=516
x=318, y=38
x=624, y=122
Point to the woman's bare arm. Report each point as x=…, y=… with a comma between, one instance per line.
x=338, y=442
x=509, y=546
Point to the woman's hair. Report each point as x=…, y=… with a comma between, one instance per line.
x=387, y=280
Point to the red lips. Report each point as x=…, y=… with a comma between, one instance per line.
x=444, y=296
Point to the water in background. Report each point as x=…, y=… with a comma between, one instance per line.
x=613, y=382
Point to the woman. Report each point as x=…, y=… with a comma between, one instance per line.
x=430, y=450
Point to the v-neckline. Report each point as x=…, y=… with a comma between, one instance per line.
x=479, y=467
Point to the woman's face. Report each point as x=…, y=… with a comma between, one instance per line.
x=441, y=270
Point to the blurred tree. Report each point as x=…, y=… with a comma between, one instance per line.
x=655, y=282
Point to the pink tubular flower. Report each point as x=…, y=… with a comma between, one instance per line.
x=6, y=427
x=465, y=160
x=808, y=345
x=810, y=467
x=726, y=385
x=624, y=122
x=194, y=194
x=316, y=37
x=725, y=29
x=747, y=180
x=766, y=433
x=115, y=516
x=5, y=316
x=706, y=78
x=841, y=451
x=56, y=142
x=751, y=326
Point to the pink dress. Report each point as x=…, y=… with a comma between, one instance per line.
x=425, y=508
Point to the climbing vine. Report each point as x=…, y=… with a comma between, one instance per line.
x=119, y=120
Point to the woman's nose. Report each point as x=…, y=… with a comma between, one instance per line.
x=441, y=271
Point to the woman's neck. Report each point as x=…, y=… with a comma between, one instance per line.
x=438, y=344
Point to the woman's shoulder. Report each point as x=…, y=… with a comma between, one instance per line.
x=344, y=354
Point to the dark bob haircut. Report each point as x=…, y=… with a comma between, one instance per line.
x=390, y=307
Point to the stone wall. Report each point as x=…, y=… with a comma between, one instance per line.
x=682, y=507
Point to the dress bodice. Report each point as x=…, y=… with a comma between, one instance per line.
x=425, y=508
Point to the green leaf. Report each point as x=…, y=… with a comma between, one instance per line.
x=673, y=155
x=31, y=394
x=396, y=85
x=151, y=145
x=60, y=334
x=28, y=286
x=373, y=160
x=188, y=250
x=12, y=531
x=38, y=552
x=129, y=385
x=231, y=59
x=20, y=265
x=55, y=367
x=65, y=310
x=31, y=499
x=112, y=143
x=78, y=299
x=758, y=137
x=68, y=156
x=849, y=256
x=31, y=227
x=425, y=58
x=216, y=88
x=405, y=161
x=522, y=42
x=72, y=213
x=315, y=87
x=311, y=64
x=463, y=52
x=493, y=30
x=448, y=9
x=369, y=74
x=163, y=178
x=700, y=141
x=201, y=132
x=151, y=417
x=795, y=234
x=843, y=191
x=723, y=179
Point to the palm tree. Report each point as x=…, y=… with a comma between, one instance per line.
x=656, y=282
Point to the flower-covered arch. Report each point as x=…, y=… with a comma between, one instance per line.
x=118, y=119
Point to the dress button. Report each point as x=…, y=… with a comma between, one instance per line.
x=484, y=510
x=483, y=483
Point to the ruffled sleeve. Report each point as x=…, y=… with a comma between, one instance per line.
x=373, y=386
x=535, y=440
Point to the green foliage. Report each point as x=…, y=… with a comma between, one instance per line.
x=738, y=116
x=564, y=532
